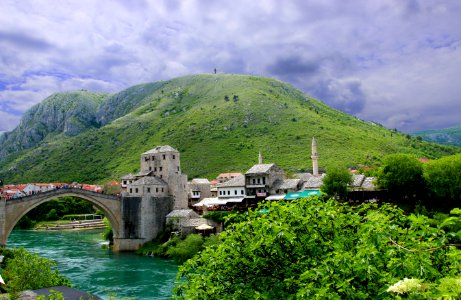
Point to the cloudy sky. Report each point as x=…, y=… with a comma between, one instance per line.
x=393, y=62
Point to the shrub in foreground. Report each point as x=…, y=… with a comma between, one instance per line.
x=311, y=249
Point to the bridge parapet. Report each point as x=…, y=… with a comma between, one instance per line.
x=60, y=191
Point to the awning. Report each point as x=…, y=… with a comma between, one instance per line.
x=217, y=201
x=303, y=194
x=204, y=227
x=210, y=202
x=275, y=197
x=234, y=200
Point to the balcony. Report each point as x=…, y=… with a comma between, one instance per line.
x=255, y=185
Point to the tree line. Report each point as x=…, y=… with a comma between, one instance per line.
x=436, y=184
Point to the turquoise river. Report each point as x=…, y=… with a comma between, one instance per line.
x=81, y=257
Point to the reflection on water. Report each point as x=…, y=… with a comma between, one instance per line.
x=81, y=257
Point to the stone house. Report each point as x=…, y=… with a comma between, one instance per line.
x=233, y=188
x=260, y=179
x=284, y=186
x=198, y=189
x=151, y=185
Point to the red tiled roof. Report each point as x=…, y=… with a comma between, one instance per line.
x=229, y=175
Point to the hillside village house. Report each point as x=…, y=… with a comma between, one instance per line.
x=268, y=182
x=223, y=177
x=197, y=190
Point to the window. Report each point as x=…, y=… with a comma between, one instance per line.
x=124, y=181
x=148, y=190
x=131, y=190
x=164, y=156
x=264, y=180
x=178, y=168
x=146, y=158
x=150, y=168
x=228, y=192
x=242, y=192
x=156, y=190
x=160, y=169
x=162, y=190
x=259, y=180
x=155, y=169
x=137, y=190
x=254, y=181
x=235, y=192
x=174, y=156
x=161, y=176
x=153, y=157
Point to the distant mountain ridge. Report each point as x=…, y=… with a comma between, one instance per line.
x=69, y=113
x=447, y=136
x=219, y=123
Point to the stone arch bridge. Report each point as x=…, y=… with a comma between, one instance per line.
x=134, y=220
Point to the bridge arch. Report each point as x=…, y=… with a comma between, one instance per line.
x=14, y=209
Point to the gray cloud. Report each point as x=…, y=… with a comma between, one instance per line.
x=23, y=40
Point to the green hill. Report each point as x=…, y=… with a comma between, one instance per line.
x=448, y=136
x=219, y=123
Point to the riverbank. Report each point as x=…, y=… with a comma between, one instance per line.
x=71, y=225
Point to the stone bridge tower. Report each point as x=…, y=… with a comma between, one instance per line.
x=159, y=188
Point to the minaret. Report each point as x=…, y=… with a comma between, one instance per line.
x=260, y=158
x=315, y=157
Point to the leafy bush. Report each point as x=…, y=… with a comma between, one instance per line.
x=186, y=248
x=24, y=270
x=326, y=250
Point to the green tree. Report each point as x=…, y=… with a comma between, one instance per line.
x=402, y=176
x=311, y=249
x=28, y=271
x=336, y=182
x=443, y=177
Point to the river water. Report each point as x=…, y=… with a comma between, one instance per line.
x=81, y=258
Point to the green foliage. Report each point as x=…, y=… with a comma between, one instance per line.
x=312, y=249
x=402, y=176
x=178, y=248
x=28, y=271
x=54, y=295
x=208, y=132
x=108, y=233
x=444, y=180
x=217, y=216
x=51, y=215
x=186, y=248
x=336, y=182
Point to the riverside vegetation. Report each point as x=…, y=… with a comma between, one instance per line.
x=192, y=114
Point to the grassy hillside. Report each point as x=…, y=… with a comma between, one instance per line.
x=447, y=136
x=218, y=123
